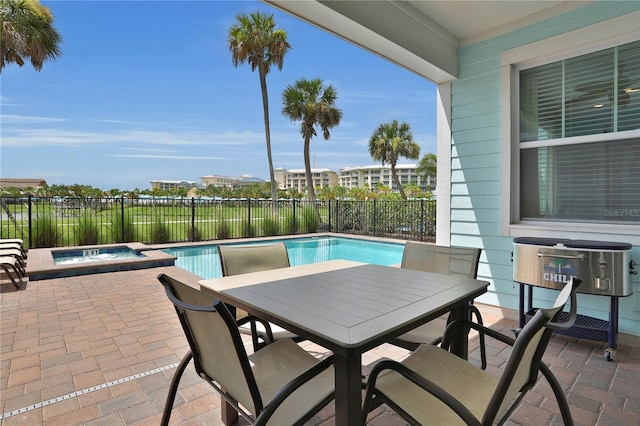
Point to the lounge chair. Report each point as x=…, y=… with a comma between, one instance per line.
x=13, y=244
x=13, y=252
x=433, y=386
x=11, y=262
x=280, y=384
x=445, y=260
x=243, y=259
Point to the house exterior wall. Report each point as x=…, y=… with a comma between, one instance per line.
x=476, y=168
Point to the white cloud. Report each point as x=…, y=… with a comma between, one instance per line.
x=9, y=118
x=29, y=137
x=169, y=157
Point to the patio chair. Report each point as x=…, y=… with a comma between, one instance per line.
x=14, y=252
x=13, y=243
x=434, y=386
x=242, y=259
x=280, y=384
x=445, y=260
x=11, y=262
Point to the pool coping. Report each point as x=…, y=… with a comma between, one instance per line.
x=41, y=266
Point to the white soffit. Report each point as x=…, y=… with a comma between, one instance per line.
x=421, y=35
x=441, y=66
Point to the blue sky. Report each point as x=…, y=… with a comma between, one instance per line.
x=146, y=91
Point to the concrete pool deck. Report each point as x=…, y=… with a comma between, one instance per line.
x=101, y=349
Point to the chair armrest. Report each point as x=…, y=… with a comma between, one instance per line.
x=253, y=319
x=290, y=387
x=446, y=339
x=425, y=384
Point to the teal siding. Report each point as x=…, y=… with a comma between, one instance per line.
x=476, y=169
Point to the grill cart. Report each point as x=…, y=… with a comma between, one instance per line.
x=603, y=266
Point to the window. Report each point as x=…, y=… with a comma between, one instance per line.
x=578, y=159
x=570, y=125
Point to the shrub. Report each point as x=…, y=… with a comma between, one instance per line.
x=270, y=226
x=45, y=233
x=194, y=233
x=249, y=230
x=310, y=221
x=122, y=229
x=160, y=232
x=290, y=223
x=223, y=231
x=87, y=232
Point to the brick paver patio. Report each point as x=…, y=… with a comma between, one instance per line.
x=101, y=350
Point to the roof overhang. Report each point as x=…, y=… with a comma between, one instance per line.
x=421, y=36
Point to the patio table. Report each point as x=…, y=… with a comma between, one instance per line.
x=349, y=308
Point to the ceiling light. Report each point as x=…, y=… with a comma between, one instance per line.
x=598, y=105
x=631, y=90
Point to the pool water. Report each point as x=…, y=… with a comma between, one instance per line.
x=204, y=260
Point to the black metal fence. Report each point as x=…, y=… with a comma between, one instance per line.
x=61, y=222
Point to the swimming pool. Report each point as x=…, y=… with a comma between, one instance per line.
x=204, y=261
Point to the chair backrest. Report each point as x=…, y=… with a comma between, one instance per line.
x=441, y=259
x=214, y=339
x=521, y=370
x=242, y=259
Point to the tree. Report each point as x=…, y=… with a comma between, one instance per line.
x=428, y=166
x=256, y=40
x=391, y=141
x=27, y=32
x=309, y=102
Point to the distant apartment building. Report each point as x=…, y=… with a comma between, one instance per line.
x=349, y=177
x=356, y=177
x=217, y=181
x=167, y=185
x=296, y=179
x=229, y=182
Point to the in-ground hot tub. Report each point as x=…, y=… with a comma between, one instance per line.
x=51, y=263
x=100, y=254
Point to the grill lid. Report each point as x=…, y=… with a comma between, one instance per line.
x=535, y=241
x=598, y=245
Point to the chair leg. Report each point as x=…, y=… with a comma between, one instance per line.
x=473, y=310
x=13, y=280
x=567, y=419
x=173, y=389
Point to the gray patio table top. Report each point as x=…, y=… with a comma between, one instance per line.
x=349, y=308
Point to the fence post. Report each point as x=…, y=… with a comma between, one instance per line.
x=122, y=218
x=422, y=219
x=295, y=219
x=29, y=213
x=375, y=215
x=248, y=234
x=330, y=215
x=193, y=219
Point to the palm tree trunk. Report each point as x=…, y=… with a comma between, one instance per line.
x=267, y=133
x=396, y=179
x=309, y=177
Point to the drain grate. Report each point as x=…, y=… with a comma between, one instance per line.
x=84, y=391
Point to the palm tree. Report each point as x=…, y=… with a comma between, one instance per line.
x=428, y=166
x=256, y=40
x=309, y=102
x=27, y=32
x=391, y=141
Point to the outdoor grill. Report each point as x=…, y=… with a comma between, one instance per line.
x=603, y=266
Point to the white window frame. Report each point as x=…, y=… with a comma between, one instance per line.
x=607, y=34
